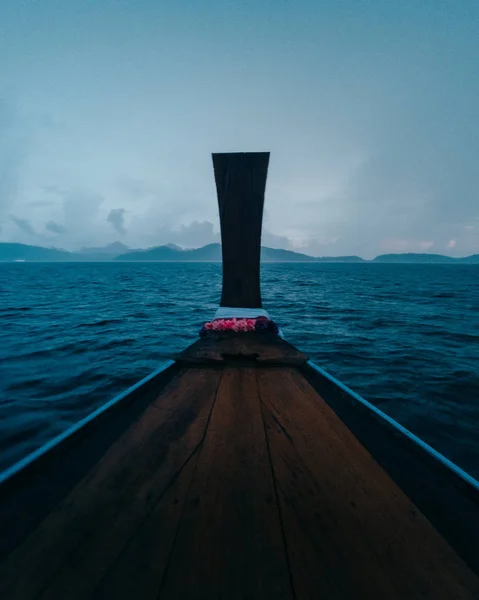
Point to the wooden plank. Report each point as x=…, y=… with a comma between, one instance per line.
x=350, y=531
x=75, y=545
x=251, y=348
x=139, y=569
x=230, y=542
x=449, y=503
x=51, y=477
x=240, y=184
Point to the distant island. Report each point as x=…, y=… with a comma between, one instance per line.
x=210, y=253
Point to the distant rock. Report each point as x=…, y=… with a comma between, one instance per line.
x=102, y=253
x=111, y=249
x=279, y=255
x=471, y=260
x=210, y=253
x=171, y=252
x=347, y=259
x=418, y=258
x=24, y=252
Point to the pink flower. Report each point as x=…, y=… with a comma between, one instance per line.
x=240, y=325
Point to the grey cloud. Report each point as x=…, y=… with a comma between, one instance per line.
x=46, y=121
x=55, y=227
x=275, y=241
x=52, y=189
x=13, y=151
x=135, y=189
x=41, y=203
x=196, y=234
x=413, y=193
x=24, y=225
x=116, y=217
x=81, y=209
x=391, y=137
x=193, y=235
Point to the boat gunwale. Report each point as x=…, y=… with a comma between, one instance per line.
x=357, y=401
x=31, y=458
x=80, y=427
x=445, y=494
x=359, y=416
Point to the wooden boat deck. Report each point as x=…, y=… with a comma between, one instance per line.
x=235, y=482
x=237, y=473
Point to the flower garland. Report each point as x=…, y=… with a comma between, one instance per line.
x=239, y=325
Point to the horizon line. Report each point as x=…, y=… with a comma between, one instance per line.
x=192, y=249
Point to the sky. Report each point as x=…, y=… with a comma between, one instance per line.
x=110, y=110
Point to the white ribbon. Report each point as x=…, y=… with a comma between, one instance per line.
x=225, y=312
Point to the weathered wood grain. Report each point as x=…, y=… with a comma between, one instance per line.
x=71, y=550
x=230, y=542
x=261, y=493
x=240, y=183
x=350, y=531
x=450, y=504
x=251, y=348
x=139, y=569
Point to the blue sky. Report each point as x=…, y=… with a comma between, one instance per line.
x=109, y=112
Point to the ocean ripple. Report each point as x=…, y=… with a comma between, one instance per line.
x=403, y=336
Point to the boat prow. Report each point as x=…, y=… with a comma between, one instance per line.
x=239, y=470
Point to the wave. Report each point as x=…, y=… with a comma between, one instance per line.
x=399, y=338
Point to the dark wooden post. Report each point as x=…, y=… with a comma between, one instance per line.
x=240, y=184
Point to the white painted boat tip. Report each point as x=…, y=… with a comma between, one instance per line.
x=225, y=312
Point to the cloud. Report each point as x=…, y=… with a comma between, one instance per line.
x=13, y=150
x=46, y=121
x=80, y=206
x=194, y=235
x=402, y=245
x=52, y=189
x=135, y=189
x=24, y=225
x=425, y=245
x=116, y=217
x=41, y=203
x=314, y=245
x=55, y=227
x=451, y=244
x=272, y=240
x=81, y=209
x=371, y=145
